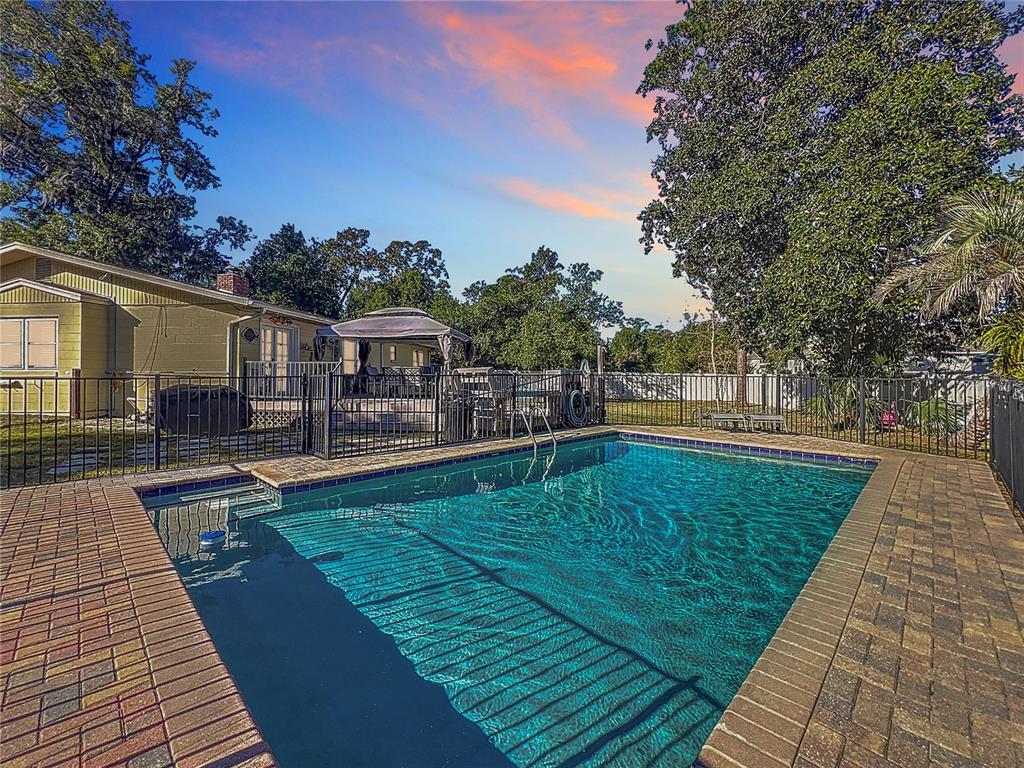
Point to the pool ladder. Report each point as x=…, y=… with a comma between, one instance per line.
x=529, y=430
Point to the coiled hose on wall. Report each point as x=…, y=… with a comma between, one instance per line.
x=577, y=409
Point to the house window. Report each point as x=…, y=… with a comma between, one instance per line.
x=28, y=343
x=392, y=353
x=418, y=358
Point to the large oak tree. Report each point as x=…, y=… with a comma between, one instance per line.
x=541, y=314
x=100, y=157
x=345, y=276
x=805, y=146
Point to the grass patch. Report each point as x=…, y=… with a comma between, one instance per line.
x=36, y=451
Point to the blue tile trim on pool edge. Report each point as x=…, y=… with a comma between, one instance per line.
x=639, y=437
x=778, y=453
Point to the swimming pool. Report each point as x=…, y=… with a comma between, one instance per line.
x=600, y=611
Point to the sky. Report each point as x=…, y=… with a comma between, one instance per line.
x=487, y=128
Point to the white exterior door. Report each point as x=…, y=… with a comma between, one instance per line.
x=278, y=347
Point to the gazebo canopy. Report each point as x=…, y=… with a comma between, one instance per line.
x=398, y=324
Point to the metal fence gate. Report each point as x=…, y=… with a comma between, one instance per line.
x=1008, y=436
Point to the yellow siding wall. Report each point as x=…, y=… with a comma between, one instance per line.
x=27, y=295
x=148, y=328
x=158, y=328
x=93, y=359
x=21, y=268
x=95, y=395
x=247, y=351
x=125, y=291
x=177, y=339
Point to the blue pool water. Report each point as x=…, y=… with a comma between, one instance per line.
x=484, y=615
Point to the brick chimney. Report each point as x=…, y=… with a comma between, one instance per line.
x=231, y=281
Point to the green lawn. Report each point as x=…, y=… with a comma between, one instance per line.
x=38, y=451
x=664, y=413
x=32, y=448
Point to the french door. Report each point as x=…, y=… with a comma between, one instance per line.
x=279, y=345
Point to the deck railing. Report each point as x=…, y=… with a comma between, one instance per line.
x=281, y=380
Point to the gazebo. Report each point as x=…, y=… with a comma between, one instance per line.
x=398, y=324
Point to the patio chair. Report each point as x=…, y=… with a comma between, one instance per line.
x=413, y=382
x=701, y=417
x=374, y=380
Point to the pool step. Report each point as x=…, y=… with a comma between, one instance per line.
x=257, y=501
x=240, y=501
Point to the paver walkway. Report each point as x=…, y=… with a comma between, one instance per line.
x=904, y=649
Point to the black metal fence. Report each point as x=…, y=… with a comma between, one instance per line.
x=1008, y=436
x=61, y=428
x=948, y=415
x=405, y=408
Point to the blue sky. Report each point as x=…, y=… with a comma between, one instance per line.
x=486, y=128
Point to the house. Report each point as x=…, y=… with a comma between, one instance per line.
x=974, y=362
x=68, y=316
x=65, y=317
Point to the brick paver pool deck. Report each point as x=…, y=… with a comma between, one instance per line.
x=904, y=648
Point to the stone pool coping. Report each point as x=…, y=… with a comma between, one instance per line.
x=765, y=722
x=913, y=595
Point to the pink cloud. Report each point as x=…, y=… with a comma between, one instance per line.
x=284, y=58
x=1012, y=52
x=555, y=63
x=583, y=201
x=551, y=68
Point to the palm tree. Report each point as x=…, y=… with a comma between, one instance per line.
x=977, y=251
x=1006, y=339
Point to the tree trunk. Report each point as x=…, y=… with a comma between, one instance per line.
x=741, y=379
x=714, y=364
